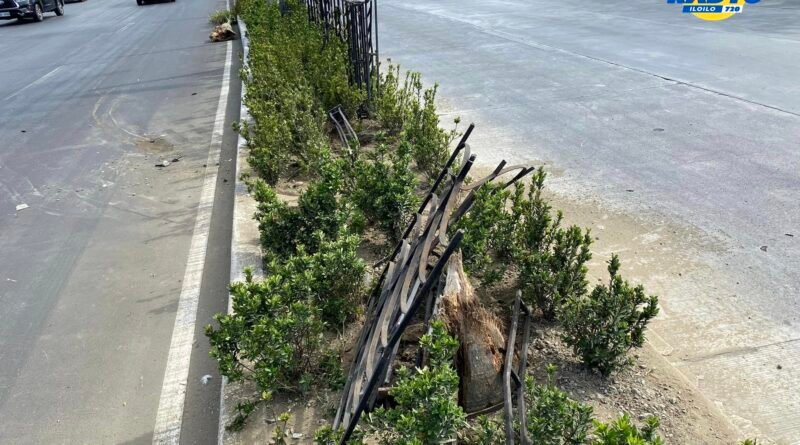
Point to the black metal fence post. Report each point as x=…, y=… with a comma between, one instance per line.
x=355, y=23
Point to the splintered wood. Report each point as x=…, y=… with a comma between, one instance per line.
x=480, y=358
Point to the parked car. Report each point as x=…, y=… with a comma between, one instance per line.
x=29, y=9
x=141, y=2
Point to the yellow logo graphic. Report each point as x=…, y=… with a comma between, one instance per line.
x=713, y=10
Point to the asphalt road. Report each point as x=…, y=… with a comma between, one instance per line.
x=91, y=270
x=666, y=117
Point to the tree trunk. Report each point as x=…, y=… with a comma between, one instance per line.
x=480, y=357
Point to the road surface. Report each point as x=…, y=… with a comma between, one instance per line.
x=91, y=271
x=665, y=117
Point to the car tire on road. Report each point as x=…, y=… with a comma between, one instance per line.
x=59, y=7
x=140, y=2
x=38, y=14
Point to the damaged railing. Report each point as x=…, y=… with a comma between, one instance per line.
x=411, y=277
x=518, y=377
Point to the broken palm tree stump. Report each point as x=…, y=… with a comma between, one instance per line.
x=222, y=32
x=481, y=341
x=410, y=279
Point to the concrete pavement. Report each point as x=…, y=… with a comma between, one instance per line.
x=90, y=272
x=656, y=114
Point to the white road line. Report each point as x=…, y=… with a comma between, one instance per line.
x=34, y=83
x=169, y=417
x=124, y=28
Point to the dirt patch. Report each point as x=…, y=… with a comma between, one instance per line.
x=154, y=144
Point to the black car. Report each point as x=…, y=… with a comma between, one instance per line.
x=29, y=9
x=142, y=2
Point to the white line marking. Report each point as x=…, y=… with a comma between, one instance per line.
x=35, y=82
x=169, y=417
x=124, y=28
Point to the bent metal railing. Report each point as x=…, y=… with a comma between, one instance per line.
x=408, y=280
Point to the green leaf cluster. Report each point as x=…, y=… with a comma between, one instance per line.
x=319, y=209
x=295, y=73
x=426, y=410
x=408, y=110
x=520, y=228
x=603, y=326
x=273, y=336
x=221, y=16
x=551, y=258
x=385, y=188
x=488, y=233
x=553, y=418
x=623, y=431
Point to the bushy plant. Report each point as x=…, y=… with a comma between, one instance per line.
x=274, y=333
x=331, y=370
x=221, y=16
x=394, y=103
x=405, y=108
x=295, y=73
x=332, y=277
x=270, y=333
x=623, y=432
x=430, y=143
x=502, y=228
x=328, y=71
x=484, y=431
x=553, y=418
x=426, y=410
x=319, y=209
x=488, y=230
x=603, y=326
x=552, y=259
x=328, y=436
x=385, y=189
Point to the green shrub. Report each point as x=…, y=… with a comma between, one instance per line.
x=427, y=410
x=484, y=431
x=270, y=333
x=623, y=432
x=603, y=326
x=487, y=234
x=274, y=333
x=552, y=417
x=503, y=228
x=295, y=74
x=385, y=189
x=331, y=370
x=329, y=73
x=431, y=144
x=406, y=109
x=552, y=259
x=243, y=411
x=222, y=16
x=332, y=277
x=394, y=103
x=319, y=209
x=328, y=436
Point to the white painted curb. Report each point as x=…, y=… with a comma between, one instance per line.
x=245, y=241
